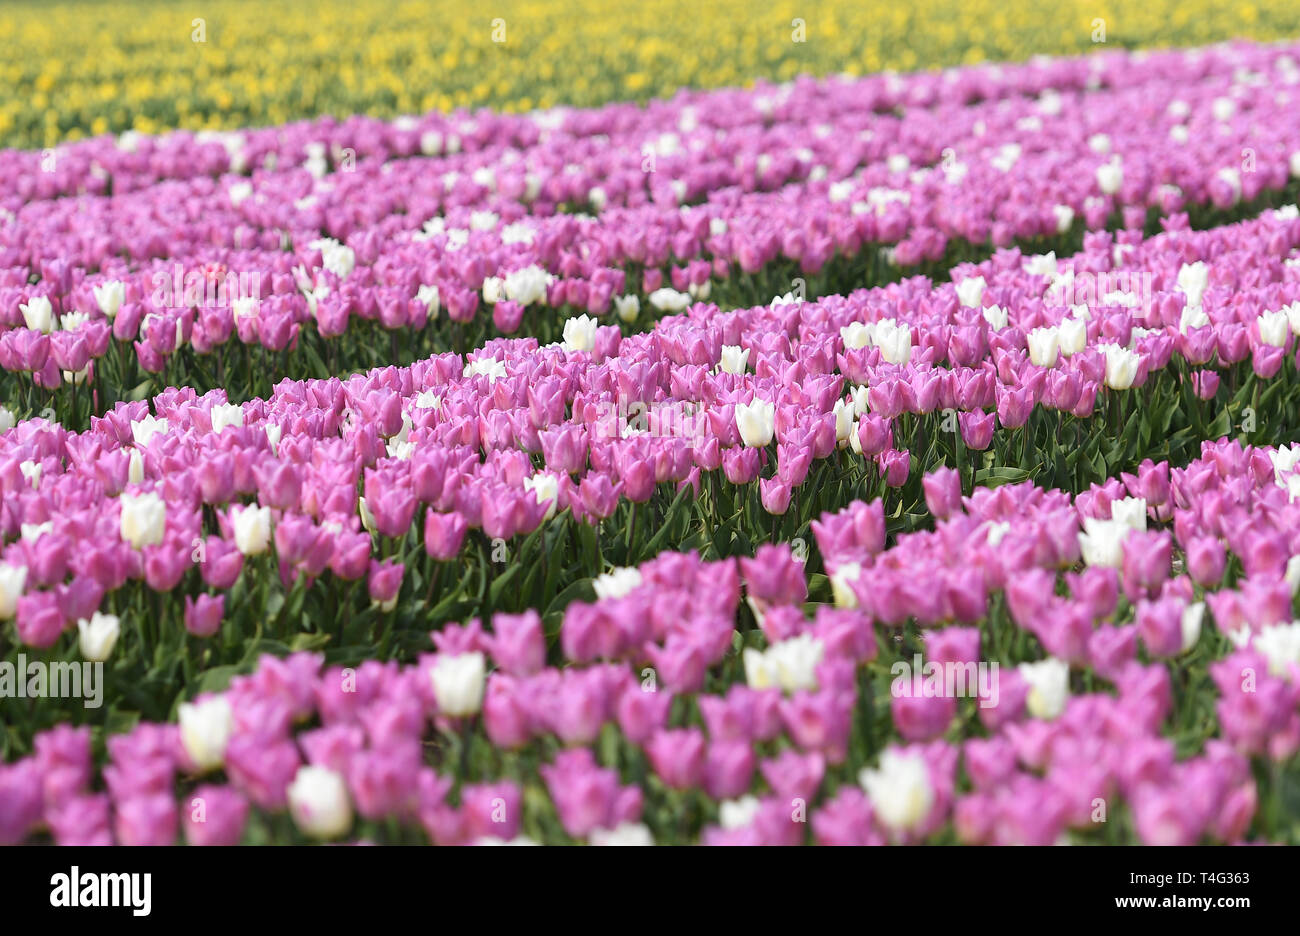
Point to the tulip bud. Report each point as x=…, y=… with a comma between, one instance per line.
x=98, y=636
x=318, y=802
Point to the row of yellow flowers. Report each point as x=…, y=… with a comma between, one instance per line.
x=84, y=68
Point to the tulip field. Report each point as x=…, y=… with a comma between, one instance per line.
x=885, y=433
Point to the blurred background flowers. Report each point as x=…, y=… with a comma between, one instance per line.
x=81, y=69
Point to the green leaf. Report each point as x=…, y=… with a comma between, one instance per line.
x=318, y=368
x=561, y=601
x=501, y=581
x=309, y=642
x=995, y=477
x=217, y=679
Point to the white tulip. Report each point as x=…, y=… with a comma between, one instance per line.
x=580, y=334
x=546, y=488
x=1190, y=623
x=247, y=307
x=1193, y=279
x=109, y=297
x=142, y=430
x=1007, y=156
x=31, y=472
x=1233, y=178
x=900, y=790
x=667, y=299
x=431, y=143
x=1292, y=316
x=898, y=163
x=144, y=519
x=318, y=802
x=1044, y=344
x=1274, y=328
x=789, y=664
x=1284, y=459
x=527, y=286
x=98, y=636
x=71, y=321
x=338, y=259
x=843, y=421
x=429, y=297
x=8, y=419
x=996, y=317
x=226, y=414
x=1130, y=511
x=492, y=288
x=970, y=292
x=135, y=467
x=627, y=308
x=842, y=579
x=13, y=579
x=458, y=683
x=735, y=359
x=1110, y=178
x=252, y=525
x=1064, y=217
x=205, y=729
x=38, y=314
x=367, y=518
x=31, y=532
x=1102, y=542
x=996, y=532
x=273, y=432
x=738, y=813
x=1280, y=645
x=239, y=191
x=1042, y=264
x=856, y=335
x=894, y=341
x=1072, y=336
x=625, y=833
x=616, y=583
x=756, y=422
x=518, y=233
x=493, y=369
x=1049, y=687
x=1121, y=366
x=1192, y=317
